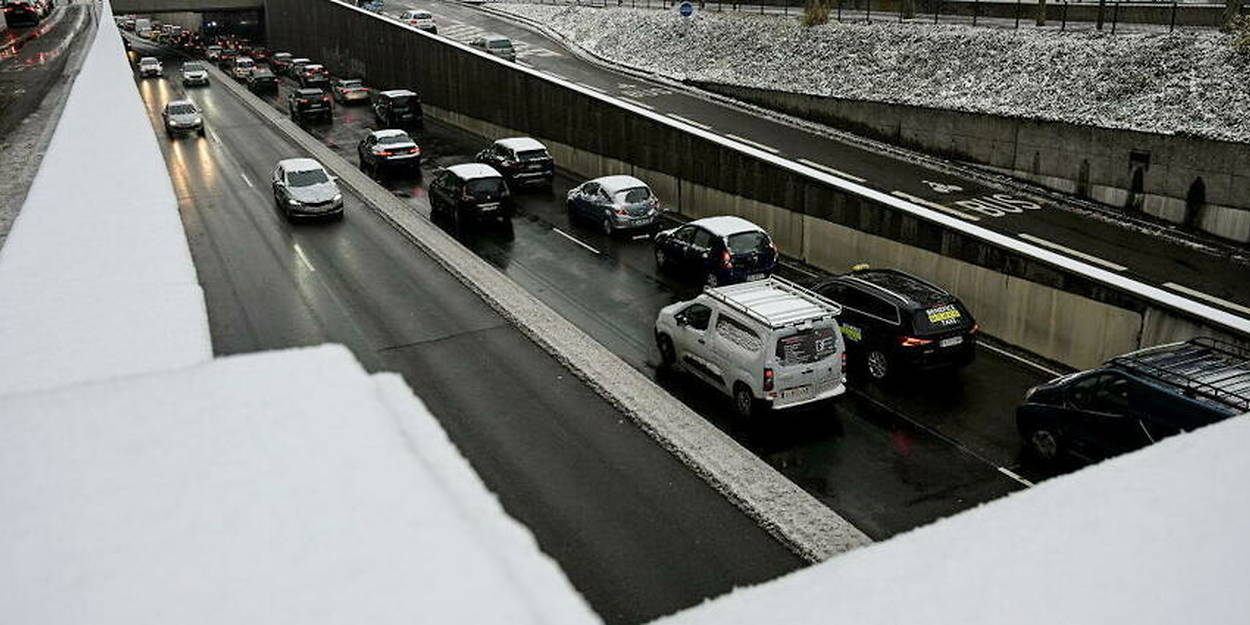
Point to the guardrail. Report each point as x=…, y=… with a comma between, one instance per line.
x=1027, y=295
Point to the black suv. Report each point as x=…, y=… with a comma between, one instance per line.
x=1136, y=399
x=895, y=321
x=308, y=102
x=522, y=161
x=262, y=80
x=471, y=191
x=398, y=108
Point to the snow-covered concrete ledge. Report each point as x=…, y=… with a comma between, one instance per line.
x=1157, y=536
x=96, y=278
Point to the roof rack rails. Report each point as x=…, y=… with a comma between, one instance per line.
x=817, y=304
x=1205, y=367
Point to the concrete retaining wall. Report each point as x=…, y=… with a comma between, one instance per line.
x=1202, y=182
x=1055, y=312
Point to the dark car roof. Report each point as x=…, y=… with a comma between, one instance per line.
x=906, y=288
x=309, y=91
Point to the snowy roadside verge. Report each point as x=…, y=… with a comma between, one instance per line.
x=96, y=275
x=1186, y=83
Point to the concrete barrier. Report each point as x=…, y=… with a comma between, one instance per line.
x=1182, y=179
x=1057, y=307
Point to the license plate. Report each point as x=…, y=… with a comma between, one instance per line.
x=798, y=392
x=756, y=276
x=489, y=207
x=951, y=342
x=535, y=167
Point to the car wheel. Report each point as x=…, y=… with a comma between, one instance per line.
x=1044, y=443
x=877, y=364
x=744, y=401
x=668, y=355
x=608, y=227
x=712, y=280
x=201, y=131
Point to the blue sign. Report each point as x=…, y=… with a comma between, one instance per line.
x=685, y=9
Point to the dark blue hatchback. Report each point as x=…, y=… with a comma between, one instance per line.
x=717, y=250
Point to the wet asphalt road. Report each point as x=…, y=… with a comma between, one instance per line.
x=888, y=460
x=1144, y=255
x=638, y=534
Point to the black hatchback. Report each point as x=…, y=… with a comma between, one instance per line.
x=304, y=103
x=470, y=192
x=522, y=160
x=895, y=321
x=398, y=108
x=717, y=250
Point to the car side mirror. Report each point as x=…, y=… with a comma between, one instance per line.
x=705, y=254
x=334, y=178
x=681, y=320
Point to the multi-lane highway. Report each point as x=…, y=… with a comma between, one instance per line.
x=1196, y=267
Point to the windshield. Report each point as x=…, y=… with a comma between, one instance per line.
x=635, y=195
x=747, y=242
x=393, y=139
x=532, y=155
x=181, y=109
x=192, y=67
x=482, y=186
x=421, y=15
x=807, y=346
x=149, y=61
x=499, y=43
x=307, y=178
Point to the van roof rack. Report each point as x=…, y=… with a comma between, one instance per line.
x=1203, y=367
x=775, y=302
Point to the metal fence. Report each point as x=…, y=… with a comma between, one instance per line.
x=1105, y=15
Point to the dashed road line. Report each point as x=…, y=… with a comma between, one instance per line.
x=636, y=103
x=249, y=182
x=1067, y=250
x=212, y=135
x=574, y=239
x=935, y=206
x=1011, y=474
x=1210, y=298
x=766, y=148
x=555, y=75
x=304, y=259
x=689, y=121
x=837, y=172
x=592, y=87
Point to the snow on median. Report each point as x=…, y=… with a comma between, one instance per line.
x=1185, y=83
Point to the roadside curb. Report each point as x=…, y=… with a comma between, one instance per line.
x=788, y=513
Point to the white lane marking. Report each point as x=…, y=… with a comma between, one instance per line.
x=212, y=135
x=304, y=259
x=555, y=75
x=753, y=144
x=639, y=237
x=689, y=121
x=1067, y=250
x=1210, y=298
x=524, y=64
x=935, y=206
x=1002, y=352
x=1012, y=475
x=249, y=182
x=574, y=239
x=800, y=270
x=637, y=103
x=592, y=87
x=837, y=172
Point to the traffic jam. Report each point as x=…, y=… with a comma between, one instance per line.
x=766, y=340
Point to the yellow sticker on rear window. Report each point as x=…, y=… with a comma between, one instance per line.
x=943, y=314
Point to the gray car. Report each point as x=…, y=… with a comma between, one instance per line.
x=497, y=45
x=194, y=73
x=183, y=116
x=615, y=203
x=303, y=188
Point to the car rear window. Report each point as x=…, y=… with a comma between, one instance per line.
x=393, y=139
x=499, y=43
x=747, y=242
x=634, y=195
x=943, y=318
x=307, y=177
x=807, y=346
x=245, y=62
x=532, y=155
x=400, y=103
x=350, y=84
x=482, y=186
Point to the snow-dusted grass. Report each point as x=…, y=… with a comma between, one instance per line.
x=1191, y=82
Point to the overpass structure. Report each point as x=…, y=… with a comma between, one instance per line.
x=179, y=6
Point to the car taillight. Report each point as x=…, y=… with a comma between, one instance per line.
x=302, y=101
x=843, y=362
x=620, y=211
x=726, y=260
x=976, y=329
x=385, y=153
x=911, y=341
x=769, y=379
x=325, y=98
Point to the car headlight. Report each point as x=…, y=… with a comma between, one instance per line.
x=338, y=197
x=292, y=202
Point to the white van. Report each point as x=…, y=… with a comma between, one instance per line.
x=768, y=344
